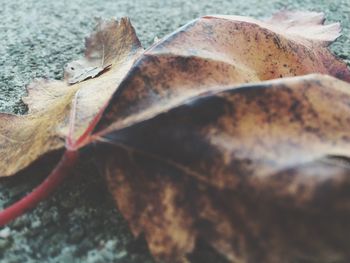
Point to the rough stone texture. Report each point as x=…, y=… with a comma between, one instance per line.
x=37, y=38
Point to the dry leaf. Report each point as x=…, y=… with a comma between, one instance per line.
x=236, y=167
x=58, y=110
x=211, y=53
x=258, y=172
x=207, y=54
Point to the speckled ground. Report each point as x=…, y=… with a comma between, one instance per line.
x=37, y=38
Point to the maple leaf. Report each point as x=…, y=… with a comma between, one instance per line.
x=192, y=154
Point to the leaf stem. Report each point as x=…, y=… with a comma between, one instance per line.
x=28, y=202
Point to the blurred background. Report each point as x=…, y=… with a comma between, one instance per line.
x=37, y=38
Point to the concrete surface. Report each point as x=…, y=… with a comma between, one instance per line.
x=80, y=223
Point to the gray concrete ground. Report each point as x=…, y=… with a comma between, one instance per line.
x=80, y=223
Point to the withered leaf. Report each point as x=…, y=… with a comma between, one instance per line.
x=211, y=53
x=256, y=171
x=259, y=172
x=194, y=157
x=57, y=109
x=207, y=54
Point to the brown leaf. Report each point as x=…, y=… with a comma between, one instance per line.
x=259, y=172
x=211, y=53
x=190, y=163
x=207, y=54
x=193, y=156
x=24, y=139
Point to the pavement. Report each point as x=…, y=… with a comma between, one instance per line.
x=80, y=223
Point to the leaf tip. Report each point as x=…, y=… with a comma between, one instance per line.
x=108, y=43
x=306, y=24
